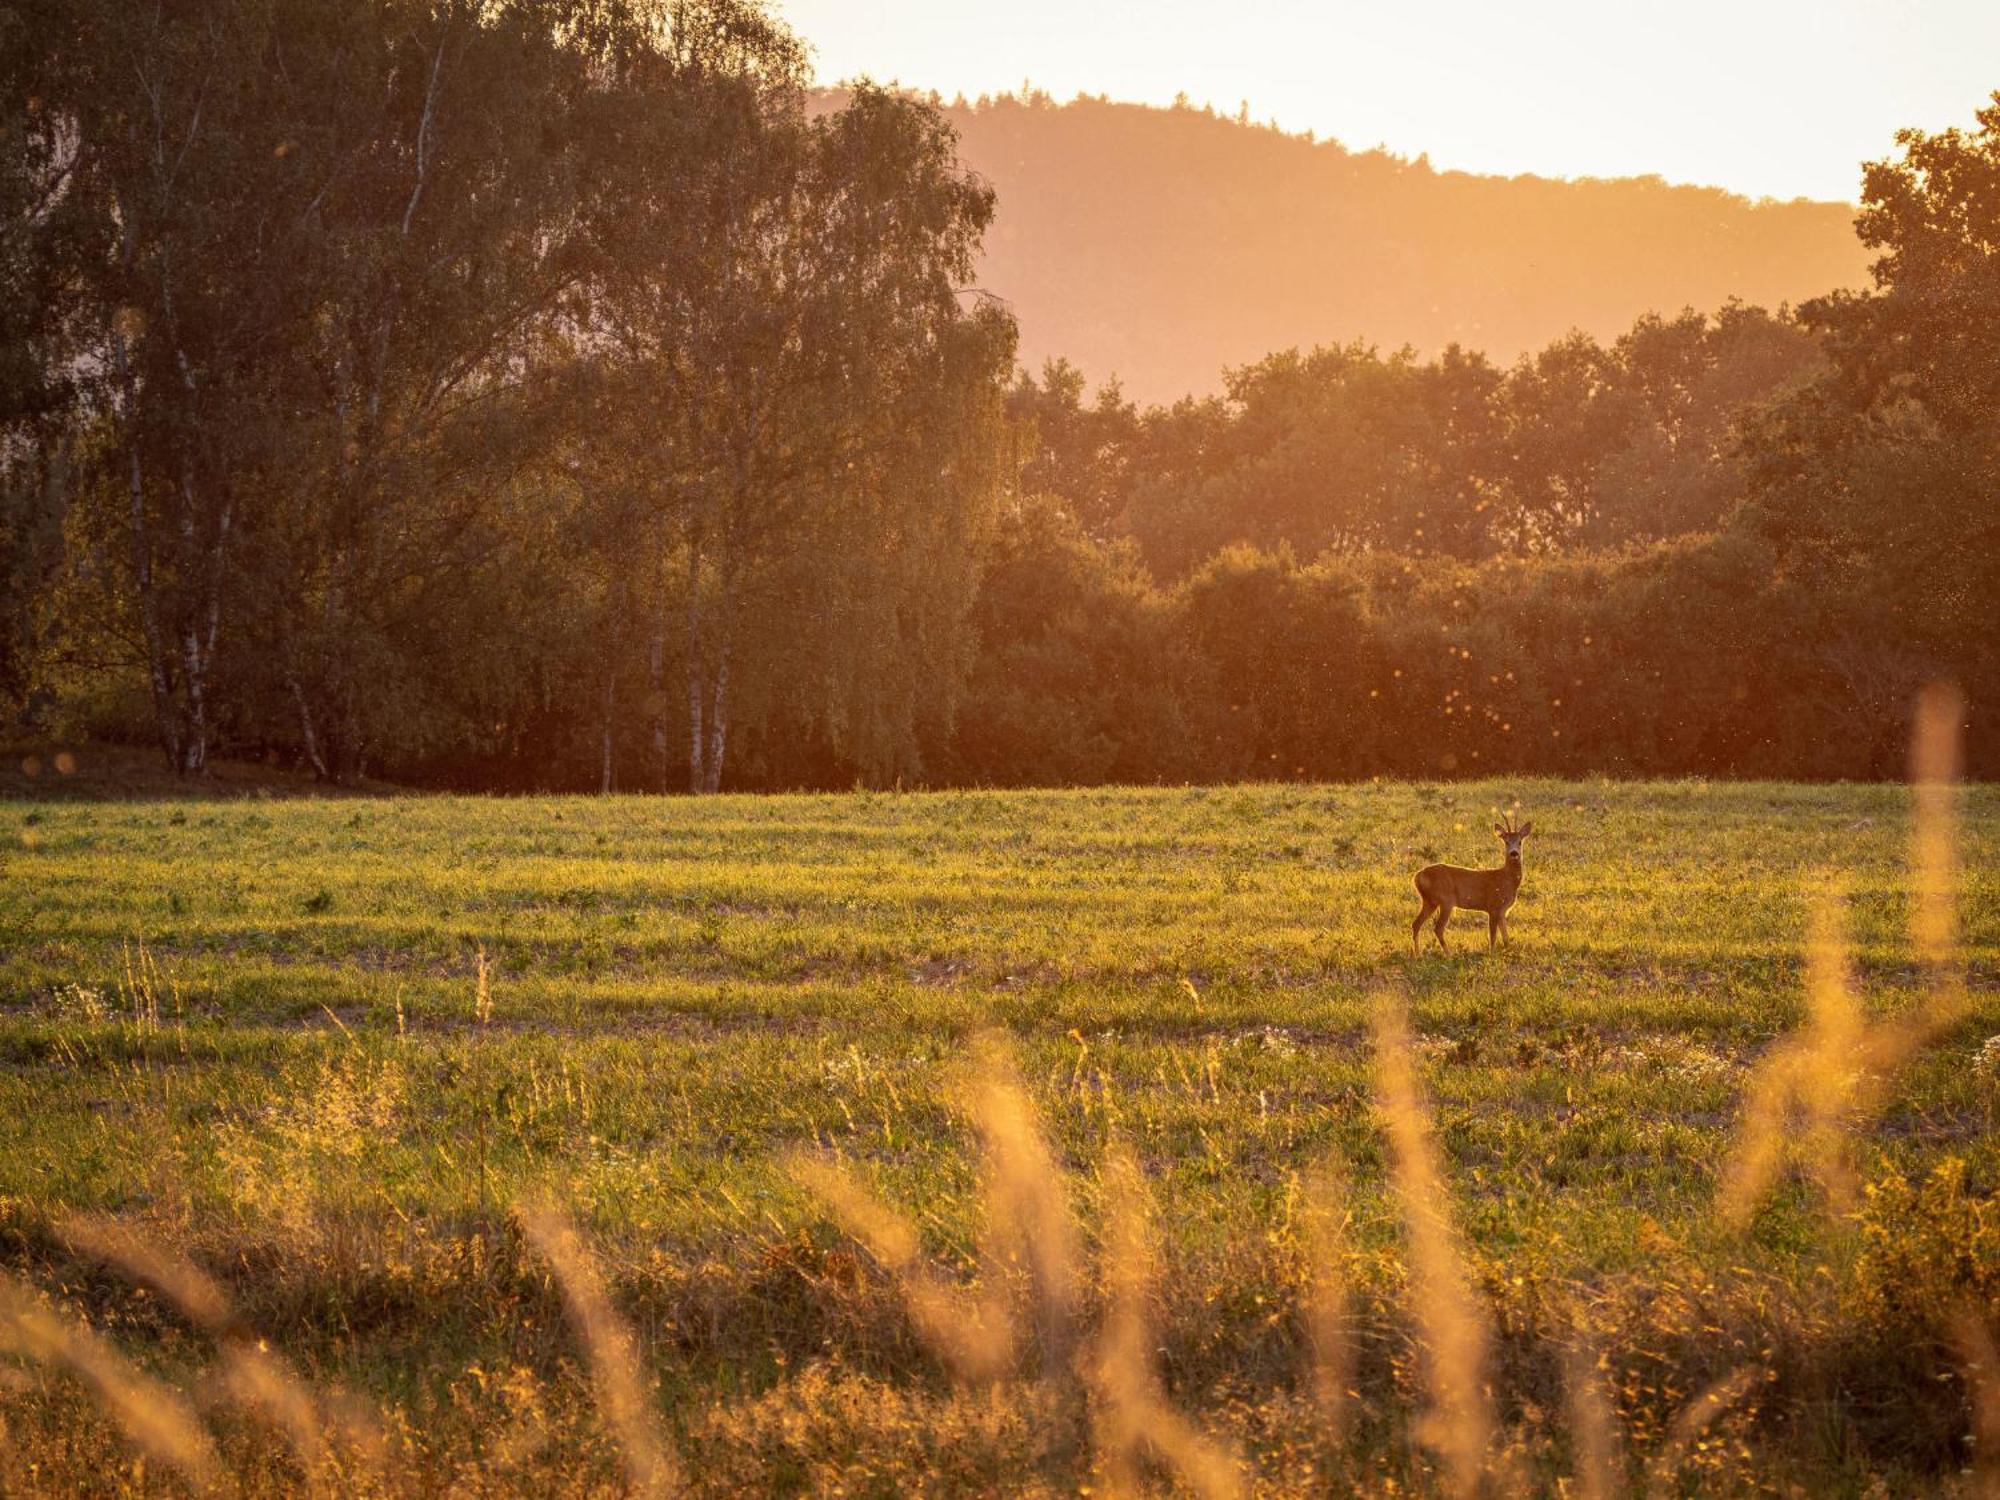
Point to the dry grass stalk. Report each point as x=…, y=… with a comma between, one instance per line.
x=142, y=985
x=256, y=1378
x=1133, y=1416
x=157, y=1421
x=1980, y=1358
x=1837, y=1072
x=1593, y=1426
x=1820, y=1074
x=1028, y=1233
x=1460, y=1426
x=1935, y=761
x=972, y=1333
x=1326, y=1301
x=482, y=994
x=1028, y=1222
x=613, y=1352
x=1693, y=1421
x=1831, y=1086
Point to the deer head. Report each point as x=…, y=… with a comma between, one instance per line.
x=1512, y=836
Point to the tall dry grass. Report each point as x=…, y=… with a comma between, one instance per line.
x=1133, y=1417
x=156, y=1419
x=1031, y=1231
x=1596, y=1465
x=973, y=1332
x=1452, y=1325
x=1328, y=1301
x=1029, y=1241
x=1027, y=1247
x=254, y=1377
x=1838, y=1072
x=1818, y=1075
x=1979, y=1360
x=617, y=1374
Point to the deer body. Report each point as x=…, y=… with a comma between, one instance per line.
x=1445, y=888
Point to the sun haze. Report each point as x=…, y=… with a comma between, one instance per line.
x=1777, y=98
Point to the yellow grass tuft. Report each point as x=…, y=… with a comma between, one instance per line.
x=156, y=1420
x=1460, y=1426
x=257, y=1379
x=1836, y=1073
x=1132, y=1415
x=1593, y=1425
x=612, y=1350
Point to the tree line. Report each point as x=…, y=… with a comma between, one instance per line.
x=546, y=394
x=388, y=372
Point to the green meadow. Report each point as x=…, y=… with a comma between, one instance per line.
x=327, y=1048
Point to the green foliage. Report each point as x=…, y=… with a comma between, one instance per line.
x=547, y=394
x=1876, y=482
x=420, y=337
x=1689, y=658
x=1347, y=449
x=1077, y=677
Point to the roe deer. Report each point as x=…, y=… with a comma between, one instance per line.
x=1444, y=888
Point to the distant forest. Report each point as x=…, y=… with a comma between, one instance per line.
x=1162, y=245
x=558, y=394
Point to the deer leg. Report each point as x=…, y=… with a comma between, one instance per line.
x=1492, y=930
x=1443, y=917
x=1417, y=927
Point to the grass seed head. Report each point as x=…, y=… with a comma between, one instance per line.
x=154, y=1418
x=1460, y=1425
x=613, y=1352
x=1132, y=1416
x=1593, y=1425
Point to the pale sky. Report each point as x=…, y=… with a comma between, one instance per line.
x=1779, y=98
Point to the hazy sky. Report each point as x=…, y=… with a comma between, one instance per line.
x=1776, y=97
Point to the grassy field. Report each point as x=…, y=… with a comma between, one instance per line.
x=328, y=1048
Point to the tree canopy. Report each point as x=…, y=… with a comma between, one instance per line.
x=555, y=393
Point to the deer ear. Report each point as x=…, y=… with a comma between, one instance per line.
x=1499, y=832
x=1526, y=829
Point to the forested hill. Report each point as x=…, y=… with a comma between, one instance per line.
x=1162, y=244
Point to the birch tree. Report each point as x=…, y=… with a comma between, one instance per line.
x=690, y=128
x=449, y=166
x=812, y=365
x=43, y=228
x=191, y=294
